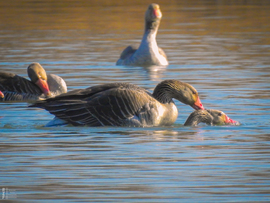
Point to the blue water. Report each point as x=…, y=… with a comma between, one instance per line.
x=225, y=55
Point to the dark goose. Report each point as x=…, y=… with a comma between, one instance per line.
x=122, y=104
x=17, y=88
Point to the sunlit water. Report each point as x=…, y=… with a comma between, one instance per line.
x=223, y=50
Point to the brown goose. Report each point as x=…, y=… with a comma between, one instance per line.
x=17, y=88
x=122, y=104
x=148, y=52
x=210, y=117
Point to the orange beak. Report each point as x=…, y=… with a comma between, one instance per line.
x=43, y=85
x=230, y=121
x=198, y=105
x=157, y=13
x=2, y=95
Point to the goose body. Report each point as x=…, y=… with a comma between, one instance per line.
x=122, y=104
x=41, y=85
x=56, y=84
x=148, y=53
x=210, y=117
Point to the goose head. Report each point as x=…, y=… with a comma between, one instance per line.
x=38, y=75
x=210, y=117
x=183, y=92
x=153, y=13
x=152, y=16
x=187, y=94
x=220, y=118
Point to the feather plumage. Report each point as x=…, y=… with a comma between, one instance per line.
x=148, y=53
x=116, y=104
x=17, y=88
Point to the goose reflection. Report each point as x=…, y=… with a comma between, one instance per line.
x=155, y=73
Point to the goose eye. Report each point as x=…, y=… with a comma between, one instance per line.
x=219, y=114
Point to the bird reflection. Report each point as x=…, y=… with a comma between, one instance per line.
x=155, y=73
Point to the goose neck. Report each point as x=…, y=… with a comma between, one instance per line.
x=151, y=29
x=162, y=95
x=199, y=116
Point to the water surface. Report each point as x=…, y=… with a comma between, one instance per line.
x=222, y=48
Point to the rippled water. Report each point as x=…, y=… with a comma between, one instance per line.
x=222, y=48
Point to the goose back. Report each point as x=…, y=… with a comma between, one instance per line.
x=18, y=88
x=114, y=104
x=128, y=52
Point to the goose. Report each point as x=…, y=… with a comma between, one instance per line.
x=122, y=104
x=148, y=53
x=17, y=88
x=210, y=117
x=2, y=95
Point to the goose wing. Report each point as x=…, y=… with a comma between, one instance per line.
x=162, y=53
x=102, y=105
x=16, y=87
x=128, y=52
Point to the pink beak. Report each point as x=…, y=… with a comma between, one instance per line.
x=2, y=95
x=43, y=85
x=198, y=105
x=230, y=121
x=157, y=13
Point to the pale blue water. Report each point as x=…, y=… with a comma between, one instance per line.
x=223, y=54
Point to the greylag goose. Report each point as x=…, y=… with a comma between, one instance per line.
x=148, y=52
x=2, y=95
x=122, y=104
x=17, y=88
x=210, y=117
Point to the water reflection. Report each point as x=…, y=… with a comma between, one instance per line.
x=155, y=73
x=220, y=47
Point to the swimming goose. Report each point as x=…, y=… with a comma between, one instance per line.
x=17, y=88
x=148, y=52
x=122, y=104
x=210, y=117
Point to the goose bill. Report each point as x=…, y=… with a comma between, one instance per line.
x=43, y=85
x=157, y=13
x=198, y=105
x=230, y=121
